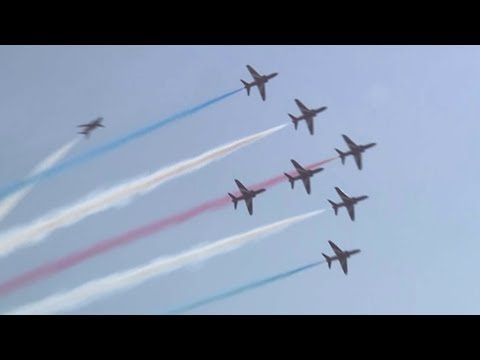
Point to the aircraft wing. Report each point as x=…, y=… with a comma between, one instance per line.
x=306, y=183
x=335, y=248
x=349, y=142
x=342, y=195
x=84, y=125
x=310, y=125
x=298, y=167
x=358, y=160
x=241, y=187
x=249, y=203
x=300, y=105
x=343, y=263
x=252, y=71
x=261, y=89
x=351, y=211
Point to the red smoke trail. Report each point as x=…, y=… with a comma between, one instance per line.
x=77, y=257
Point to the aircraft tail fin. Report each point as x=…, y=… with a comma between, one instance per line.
x=329, y=260
x=234, y=199
x=342, y=155
x=290, y=179
x=334, y=206
x=294, y=120
x=247, y=86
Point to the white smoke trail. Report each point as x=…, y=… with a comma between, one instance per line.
x=37, y=230
x=125, y=279
x=7, y=205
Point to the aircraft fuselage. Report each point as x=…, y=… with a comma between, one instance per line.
x=251, y=194
x=359, y=149
x=345, y=254
x=310, y=114
x=352, y=201
x=263, y=80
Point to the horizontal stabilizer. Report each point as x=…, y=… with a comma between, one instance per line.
x=342, y=155
x=334, y=206
x=234, y=199
x=247, y=86
x=290, y=179
x=294, y=120
x=329, y=260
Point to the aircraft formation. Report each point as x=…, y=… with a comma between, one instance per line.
x=308, y=115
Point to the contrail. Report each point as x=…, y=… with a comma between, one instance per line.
x=239, y=289
x=104, y=286
x=31, y=233
x=7, y=205
x=102, y=149
x=140, y=232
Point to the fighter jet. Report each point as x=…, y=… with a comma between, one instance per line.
x=307, y=114
x=348, y=202
x=259, y=81
x=247, y=195
x=340, y=255
x=355, y=150
x=303, y=174
x=89, y=127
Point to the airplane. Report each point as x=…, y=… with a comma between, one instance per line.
x=247, y=195
x=355, y=150
x=340, y=255
x=303, y=174
x=307, y=115
x=91, y=126
x=259, y=81
x=348, y=202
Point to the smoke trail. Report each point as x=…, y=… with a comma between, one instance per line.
x=126, y=279
x=28, y=234
x=77, y=257
x=239, y=289
x=100, y=150
x=7, y=205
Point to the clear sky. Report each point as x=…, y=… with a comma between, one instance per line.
x=418, y=231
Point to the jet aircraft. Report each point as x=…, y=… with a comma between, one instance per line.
x=259, y=81
x=246, y=195
x=340, y=255
x=355, y=150
x=92, y=125
x=307, y=114
x=303, y=174
x=348, y=202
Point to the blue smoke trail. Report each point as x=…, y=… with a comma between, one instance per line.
x=240, y=289
x=102, y=149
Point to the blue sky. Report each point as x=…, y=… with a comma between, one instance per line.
x=416, y=231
